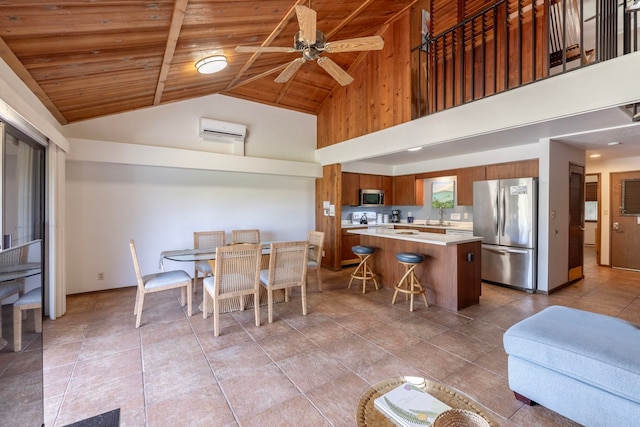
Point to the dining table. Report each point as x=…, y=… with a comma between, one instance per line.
x=232, y=304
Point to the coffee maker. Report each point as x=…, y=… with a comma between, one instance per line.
x=395, y=215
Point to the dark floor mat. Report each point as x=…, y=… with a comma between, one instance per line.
x=108, y=419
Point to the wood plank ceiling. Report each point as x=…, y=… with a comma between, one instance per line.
x=90, y=58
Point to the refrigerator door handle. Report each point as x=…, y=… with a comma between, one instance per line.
x=495, y=213
x=503, y=211
x=504, y=251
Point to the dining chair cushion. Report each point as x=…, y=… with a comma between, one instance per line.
x=165, y=278
x=264, y=277
x=204, y=267
x=210, y=281
x=312, y=263
x=8, y=289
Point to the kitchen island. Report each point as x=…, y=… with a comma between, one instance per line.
x=450, y=273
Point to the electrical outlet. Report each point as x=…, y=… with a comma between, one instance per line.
x=323, y=254
x=466, y=215
x=100, y=276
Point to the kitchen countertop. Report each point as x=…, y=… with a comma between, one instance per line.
x=417, y=236
x=448, y=226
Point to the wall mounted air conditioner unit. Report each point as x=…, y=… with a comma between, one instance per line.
x=216, y=130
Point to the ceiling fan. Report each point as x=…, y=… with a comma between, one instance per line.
x=312, y=43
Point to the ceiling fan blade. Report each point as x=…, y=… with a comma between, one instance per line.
x=335, y=71
x=253, y=49
x=357, y=44
x=291, y=69
x=307, y=23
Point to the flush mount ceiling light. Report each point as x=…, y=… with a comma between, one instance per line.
x=211, y=64
x=414, y=149
x=594, y=156
x=613, y=143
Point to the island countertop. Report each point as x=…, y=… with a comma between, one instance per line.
x=416, y=236
x=450, y=272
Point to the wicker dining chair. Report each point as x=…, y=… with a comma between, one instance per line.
x=245, y=236
x=159, y=282
x=205, y=240
x=236, y=274
x=316, y=244
x=287, y=268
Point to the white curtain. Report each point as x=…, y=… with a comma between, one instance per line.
x=25, y=183
x=55, y=272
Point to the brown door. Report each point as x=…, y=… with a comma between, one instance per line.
x=576, y=222
x=625, y=230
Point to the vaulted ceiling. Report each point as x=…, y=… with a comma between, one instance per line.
x=86, y=58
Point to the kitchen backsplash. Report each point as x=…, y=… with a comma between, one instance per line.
x=421, y=212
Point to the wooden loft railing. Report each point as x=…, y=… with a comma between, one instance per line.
x=509, y=44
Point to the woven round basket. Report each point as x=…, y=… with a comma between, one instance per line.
x=460, y=418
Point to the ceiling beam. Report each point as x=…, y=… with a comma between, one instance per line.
x=21, y=71
x=179, y=9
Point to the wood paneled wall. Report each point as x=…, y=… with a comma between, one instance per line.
x=329, y=188
x=380, y=96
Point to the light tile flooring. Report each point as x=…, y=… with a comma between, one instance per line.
x=298, y=371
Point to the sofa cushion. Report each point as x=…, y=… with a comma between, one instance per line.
x=593, y=348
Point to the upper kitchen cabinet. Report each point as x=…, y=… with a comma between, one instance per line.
x=465, y=179
x=408, y=191
x=373, y=182
x=387, y=186
x=521, y=169
x=350, y=188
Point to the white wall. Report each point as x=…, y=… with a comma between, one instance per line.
x=148, y=175
x=553, y=215
x=160, y=208
x=272, y=132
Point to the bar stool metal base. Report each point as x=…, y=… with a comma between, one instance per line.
x=409, y=284
x=363, y=271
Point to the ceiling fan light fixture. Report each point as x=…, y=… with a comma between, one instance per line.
x=212, y=64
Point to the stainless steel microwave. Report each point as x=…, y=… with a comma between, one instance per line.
x=371, y=198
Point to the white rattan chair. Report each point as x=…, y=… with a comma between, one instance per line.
x=316, y=244
x=236, y=274
x=287, y=268
x=159, y=282
x=205, y=240
x=32, y=300
x=245, y=236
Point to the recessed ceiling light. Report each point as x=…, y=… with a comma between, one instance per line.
x=211, y=64
x=414, y=149
x=594, y=156
x=613, y=143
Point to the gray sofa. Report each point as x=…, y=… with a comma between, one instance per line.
x=583, y=365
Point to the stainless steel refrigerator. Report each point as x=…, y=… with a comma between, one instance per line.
x=505, y=215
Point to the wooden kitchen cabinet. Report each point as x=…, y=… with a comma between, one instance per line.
x=350, y=188
x=373, y=182
x=521, y=169
x=465, y=179
x=387, y=186
x=407, y=190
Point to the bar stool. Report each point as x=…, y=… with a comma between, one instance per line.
x=363, y=271
x=409, y=284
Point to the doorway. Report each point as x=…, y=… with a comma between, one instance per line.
x=22, y=195
x=625, y=226
x=576, y=222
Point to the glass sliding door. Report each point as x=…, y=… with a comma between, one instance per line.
x=22, y=191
